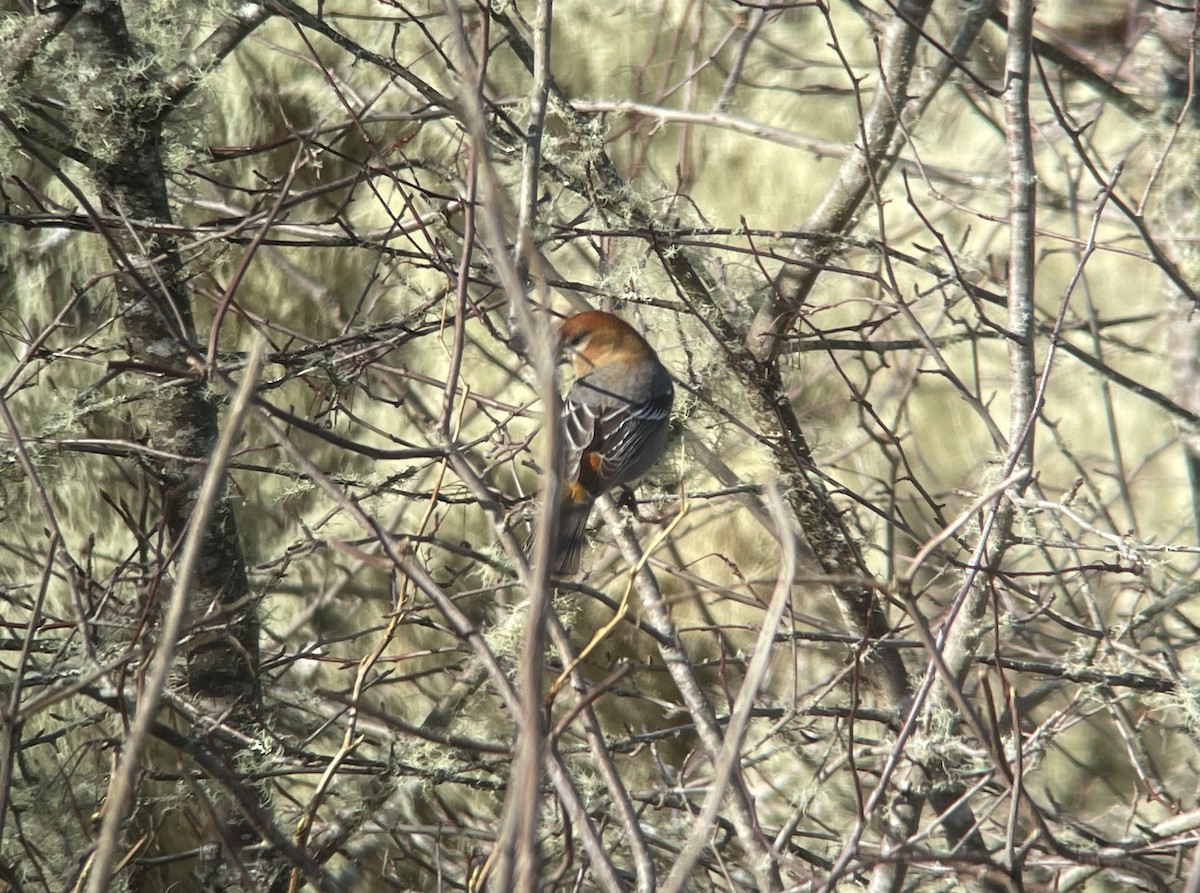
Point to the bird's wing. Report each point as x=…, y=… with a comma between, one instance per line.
x=626, y=428
x=606, y=435
x=580, y=420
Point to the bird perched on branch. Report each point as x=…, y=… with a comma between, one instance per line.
x=615, y=419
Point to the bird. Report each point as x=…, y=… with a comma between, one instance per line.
x=615, y=420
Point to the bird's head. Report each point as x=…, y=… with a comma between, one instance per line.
x=595, y=338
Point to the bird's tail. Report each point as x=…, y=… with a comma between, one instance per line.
x=570, y=535
x=572, y=530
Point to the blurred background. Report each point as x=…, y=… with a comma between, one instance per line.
x=977, y=401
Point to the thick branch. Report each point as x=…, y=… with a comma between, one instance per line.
x=854, y=179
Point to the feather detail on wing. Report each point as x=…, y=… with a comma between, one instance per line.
x=607, y=436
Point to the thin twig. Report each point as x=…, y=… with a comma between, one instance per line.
x=726, y=763
x=122, y=787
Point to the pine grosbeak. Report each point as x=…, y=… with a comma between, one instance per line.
x=615, y=419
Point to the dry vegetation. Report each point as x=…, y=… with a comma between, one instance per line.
x=910, y=602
